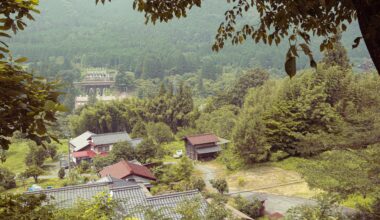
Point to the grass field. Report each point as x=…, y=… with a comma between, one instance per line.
x=23, y=187
x=17, y=152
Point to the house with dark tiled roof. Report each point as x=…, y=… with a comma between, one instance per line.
x=134, y=199
x=203, y=146
x=89, y=145
x=130, y=171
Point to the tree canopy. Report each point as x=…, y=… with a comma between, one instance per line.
x=28, y=103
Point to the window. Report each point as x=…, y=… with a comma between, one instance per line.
x=104, y=149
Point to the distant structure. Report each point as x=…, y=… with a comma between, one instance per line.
x=203, y=146
x=83, y=100
x=97, y=81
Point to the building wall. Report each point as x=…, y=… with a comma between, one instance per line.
x=99, y=148
x=191, y=149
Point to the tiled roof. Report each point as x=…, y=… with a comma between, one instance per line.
x=167, y=203
x=81, y=141
x=134, y=201
x=133, y=198
x=123, y=169
x=202, y=139
x=110, y=138
x=66, y=197
x=86, y=153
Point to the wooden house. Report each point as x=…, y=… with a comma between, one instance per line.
x=203, y=146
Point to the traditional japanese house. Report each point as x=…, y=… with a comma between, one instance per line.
x=203, y=146
x=89, y=145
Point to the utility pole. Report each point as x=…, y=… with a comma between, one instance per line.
x=68, y=145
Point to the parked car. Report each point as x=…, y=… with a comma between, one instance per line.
x=178, y=154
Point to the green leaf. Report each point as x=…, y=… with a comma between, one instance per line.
x=21, y=60
x=2, y=34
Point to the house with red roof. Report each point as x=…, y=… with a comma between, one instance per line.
x=127, y=170
x=89, y=145
x=203, y=146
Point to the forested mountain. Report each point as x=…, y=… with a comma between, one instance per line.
x=114, y=35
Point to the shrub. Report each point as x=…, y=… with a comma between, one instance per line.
x=7, y=178
x=241, y=181
x=84, y=166
x=197, y=183
x=61, y=173
x=254, y=208
x=220, y=185
x=100, y=162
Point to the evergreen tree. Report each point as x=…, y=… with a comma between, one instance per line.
x=123, y=151
x=139, y=130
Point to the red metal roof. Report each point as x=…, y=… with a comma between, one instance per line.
x=86, y=153
x=202, y=139
x=123, y=169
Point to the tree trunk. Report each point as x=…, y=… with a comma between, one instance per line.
x=368, y=13
x=35, y=179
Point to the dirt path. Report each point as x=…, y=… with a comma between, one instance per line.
x=208, y=173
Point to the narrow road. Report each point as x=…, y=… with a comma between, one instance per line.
x=208, y=174
x=277, y=203
x=281, y=204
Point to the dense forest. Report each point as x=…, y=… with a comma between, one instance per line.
x=113, y=35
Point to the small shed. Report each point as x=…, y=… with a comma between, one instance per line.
x=203, y=146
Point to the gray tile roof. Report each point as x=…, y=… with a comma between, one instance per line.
x=110, y=138
x=66, y=197
x=168, y=203
x=132, y=198
x=81, y=141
